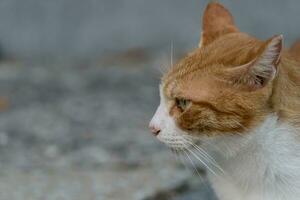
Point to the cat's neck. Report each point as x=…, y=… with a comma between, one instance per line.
x=269, y=154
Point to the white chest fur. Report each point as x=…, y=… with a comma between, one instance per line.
x=261, y=165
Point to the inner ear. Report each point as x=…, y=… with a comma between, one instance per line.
x=261, y=70
x=216, y=21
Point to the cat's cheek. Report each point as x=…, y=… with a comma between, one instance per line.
x=185, y=123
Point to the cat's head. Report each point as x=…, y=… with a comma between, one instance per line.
x=221, y=88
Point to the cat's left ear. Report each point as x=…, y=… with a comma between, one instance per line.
x=261, y=70
x=216, y=21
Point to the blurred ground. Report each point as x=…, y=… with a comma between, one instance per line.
x=80, y=132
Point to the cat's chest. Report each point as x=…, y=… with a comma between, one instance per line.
x=267, y=163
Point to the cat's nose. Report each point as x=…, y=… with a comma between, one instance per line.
x=155, y=131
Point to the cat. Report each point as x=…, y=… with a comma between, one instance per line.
x=234, y=104
x=295, y=50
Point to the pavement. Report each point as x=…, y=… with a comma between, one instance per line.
x=79, y=132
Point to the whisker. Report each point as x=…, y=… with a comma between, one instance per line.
x=179, y=158
x=205, y=155
x=202, y=151
x=194, y=166
x=200, y=160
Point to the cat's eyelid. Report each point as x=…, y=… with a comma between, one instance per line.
x=182, y=98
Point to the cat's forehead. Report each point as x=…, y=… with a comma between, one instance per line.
x=229, y=51
x=194, y=87
x=197, y=75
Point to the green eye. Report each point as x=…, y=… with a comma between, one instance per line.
x=182, y=103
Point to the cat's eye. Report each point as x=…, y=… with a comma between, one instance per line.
x=182, y=104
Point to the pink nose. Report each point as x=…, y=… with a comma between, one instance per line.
x=154, y=130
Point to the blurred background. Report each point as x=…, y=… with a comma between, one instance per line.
x=79, y=83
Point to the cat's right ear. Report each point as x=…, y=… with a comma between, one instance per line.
x=261, y=70
x=216, y=21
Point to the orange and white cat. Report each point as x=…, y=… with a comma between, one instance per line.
x=234, y=103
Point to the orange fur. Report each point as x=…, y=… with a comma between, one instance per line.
x=224, y=98
x=295, y=50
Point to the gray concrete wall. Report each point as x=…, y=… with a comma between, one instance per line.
x=89, y=28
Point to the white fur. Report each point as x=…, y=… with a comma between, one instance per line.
x=263, y=164
x=170, y=134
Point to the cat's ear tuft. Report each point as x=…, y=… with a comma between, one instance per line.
x=216, y=21
x=260, y=71
x=272, y=50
